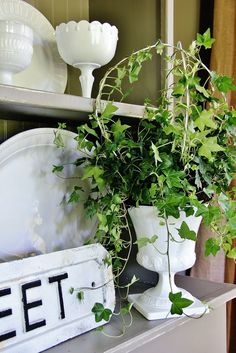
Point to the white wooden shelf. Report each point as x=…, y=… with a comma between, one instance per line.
x=21, y=103
x=179, y=335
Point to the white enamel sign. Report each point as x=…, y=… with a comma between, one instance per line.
x=37, y=309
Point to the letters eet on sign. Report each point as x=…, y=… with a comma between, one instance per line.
x=35, y=297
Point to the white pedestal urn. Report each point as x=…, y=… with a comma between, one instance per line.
x=154, y=303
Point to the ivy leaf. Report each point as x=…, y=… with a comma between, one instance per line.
x=205, y=39
x=75, y=195
x=179, y=90
x=189, y=211
x=102, y=222
x=211, y=246
x=80, y=295
x=126, y=309
x=107, y=260
x=134, y=72
x=171, y=204
x=58, y=140
x=156, y=154
x=134, y=279
x=205, y=119
x=83, y=142
x=57, y=168
x=101, y=313
x=79, y=161
x=192, y=81
x=223, y=83
x=119, y=128
x=232, y=254
x=209, y=145
x=178, y=303
x=144, y=241
x=121, y=71
x=153, y=190
x=86, y=128
x=159, y=48
x=117, y=264
x=224, y=202
x=186, y=233
x=232, y=222
x=61, y=126
x=127, y=92
x=212, y=213
x=153, y=239
x=202, y=90
x=141, y=242
x=71, y=290
x=95, y=172
x=109, y=111
x=226, y=247
x=135, y=63
x=173, y=178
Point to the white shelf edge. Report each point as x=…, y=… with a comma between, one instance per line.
x=19, y=100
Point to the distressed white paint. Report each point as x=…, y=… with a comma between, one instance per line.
x=83, y=267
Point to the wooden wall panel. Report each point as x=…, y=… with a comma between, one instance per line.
x=3, y=130
x=9, y=128
x=31, y=2
x=58, y=11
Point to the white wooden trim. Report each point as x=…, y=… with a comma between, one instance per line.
x=167, y=36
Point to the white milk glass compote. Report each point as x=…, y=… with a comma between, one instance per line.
x=86, y=46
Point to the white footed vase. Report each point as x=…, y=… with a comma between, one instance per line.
x=86, y=46
x=154, y=303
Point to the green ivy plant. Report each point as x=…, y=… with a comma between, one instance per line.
x=179, y=156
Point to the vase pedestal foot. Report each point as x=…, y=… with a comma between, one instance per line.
x=162, y=311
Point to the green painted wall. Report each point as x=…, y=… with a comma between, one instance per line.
x=186, y=20
x=138, y=23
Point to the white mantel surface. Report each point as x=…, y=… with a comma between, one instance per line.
x=177, y=335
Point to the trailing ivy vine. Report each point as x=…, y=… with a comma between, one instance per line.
x=180, y=157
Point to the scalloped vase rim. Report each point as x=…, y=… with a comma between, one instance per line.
x=101, y=25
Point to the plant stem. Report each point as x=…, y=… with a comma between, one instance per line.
x=186, y=118
x=130, y=242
